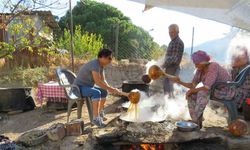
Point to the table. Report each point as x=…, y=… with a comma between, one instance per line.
x=51, y=92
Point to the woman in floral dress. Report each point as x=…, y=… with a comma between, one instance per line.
x=207, y=73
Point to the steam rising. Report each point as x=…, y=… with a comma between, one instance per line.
x=157, y=108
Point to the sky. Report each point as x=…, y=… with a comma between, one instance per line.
x=157, y=20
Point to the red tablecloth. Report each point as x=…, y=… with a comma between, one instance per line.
x=51, y=91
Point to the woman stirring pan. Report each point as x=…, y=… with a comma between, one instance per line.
x=207, y=73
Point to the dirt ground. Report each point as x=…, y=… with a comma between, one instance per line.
x=42, y=118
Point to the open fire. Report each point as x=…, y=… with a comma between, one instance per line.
x=143, y=147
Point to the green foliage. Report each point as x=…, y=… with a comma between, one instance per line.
x=25, y=34
x=85, y=45
x=6, y=49
x=22, y=77
x=158, y=52
x=100, y=18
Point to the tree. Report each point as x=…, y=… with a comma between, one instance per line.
x=86, y=45
x=24, y=34
x=100, y=18
x=17, y=10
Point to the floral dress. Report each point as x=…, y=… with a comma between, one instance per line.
x=197, y=102
x=242, y=92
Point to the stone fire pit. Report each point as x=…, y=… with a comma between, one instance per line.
x=124, y=133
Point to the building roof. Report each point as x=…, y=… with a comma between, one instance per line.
x=45, y=15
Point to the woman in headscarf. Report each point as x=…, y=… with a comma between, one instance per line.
x=207, y=73
x=239, y=61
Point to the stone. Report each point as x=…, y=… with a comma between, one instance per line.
x=149, y=132
x=56, y=132
x=32, y=137
x=75, y=128
x=238, y=143
x=108, y=134
x=115, y=74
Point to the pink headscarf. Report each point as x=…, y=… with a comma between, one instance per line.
x=200, y=57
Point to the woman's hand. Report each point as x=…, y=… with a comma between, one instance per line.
x=190, y=92
x=113, y=90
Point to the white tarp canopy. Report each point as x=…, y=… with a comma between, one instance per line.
x=232, y=12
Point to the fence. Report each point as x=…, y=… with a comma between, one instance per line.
x=133, y=46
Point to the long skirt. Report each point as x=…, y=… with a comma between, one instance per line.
x=197, y=104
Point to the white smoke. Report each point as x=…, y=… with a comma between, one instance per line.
x=159, y=63
x=157, y=108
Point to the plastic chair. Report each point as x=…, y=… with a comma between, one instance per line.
x=66, y=79
x=241, y=83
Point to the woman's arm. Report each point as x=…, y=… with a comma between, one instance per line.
x=185, y=84
x=195, y=90
x=203, y=88
x=99, y=80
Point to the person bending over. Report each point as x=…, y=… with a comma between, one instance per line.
x=207, y=73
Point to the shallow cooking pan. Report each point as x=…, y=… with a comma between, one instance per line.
x=145, y=114
x=186, y=126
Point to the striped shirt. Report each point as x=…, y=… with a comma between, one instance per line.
x=174, y=53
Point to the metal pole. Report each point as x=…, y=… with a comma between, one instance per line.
x=192, y=46
x=112, y=36
x=116, y=40
x=71, y=37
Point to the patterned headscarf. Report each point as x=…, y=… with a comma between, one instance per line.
x=200, y=57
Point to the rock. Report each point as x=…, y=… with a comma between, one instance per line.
x=69, y=144
x=56, y=132
x=75, y=128
x=80, y=140
x=90, y=143
x=108, y=134
x=115, y=74
x=238, y=143
x=148, y=128
x=32, y=138
x=149, y=132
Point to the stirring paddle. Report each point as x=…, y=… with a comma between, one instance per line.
x=155, y=73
